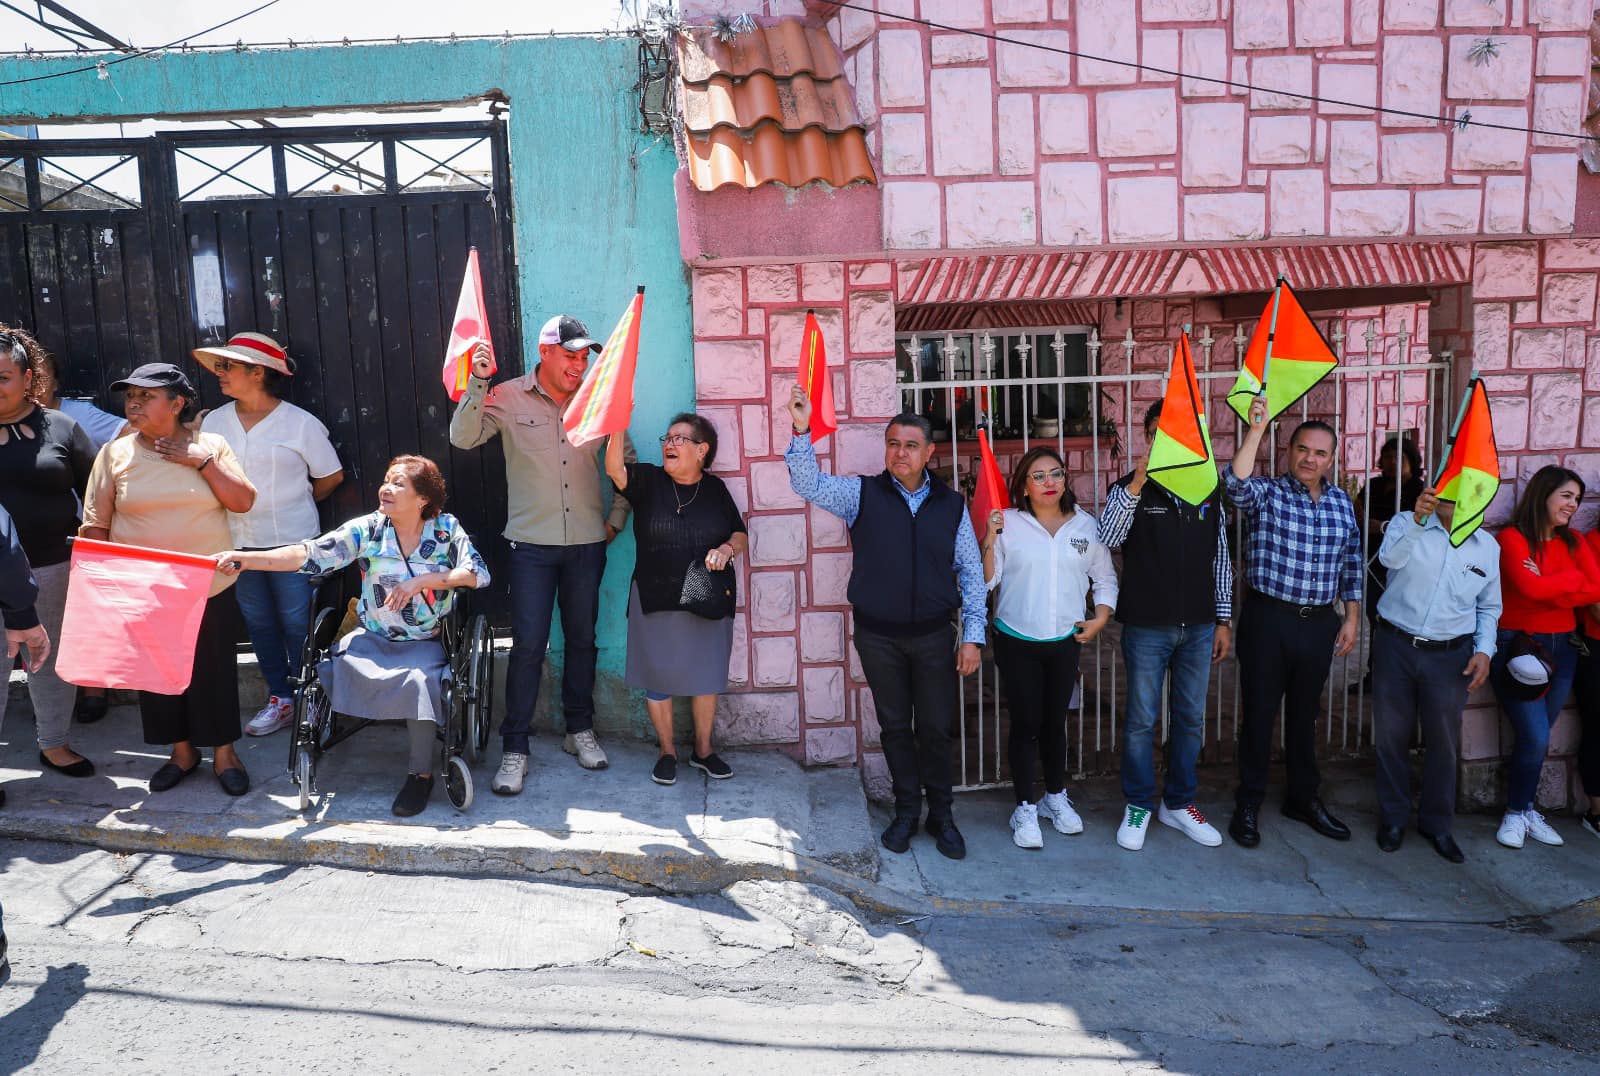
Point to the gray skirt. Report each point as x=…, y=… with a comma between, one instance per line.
x=384, y=679
x=677, y=653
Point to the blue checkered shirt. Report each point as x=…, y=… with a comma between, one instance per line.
x=1299, y=550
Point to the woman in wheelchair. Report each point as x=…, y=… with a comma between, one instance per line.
x=411, y=555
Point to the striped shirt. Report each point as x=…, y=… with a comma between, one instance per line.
x=1298, y=550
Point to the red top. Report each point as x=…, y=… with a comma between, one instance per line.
x=1545, y=603
x=1588, y=622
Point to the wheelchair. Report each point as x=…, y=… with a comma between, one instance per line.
x=467, y=698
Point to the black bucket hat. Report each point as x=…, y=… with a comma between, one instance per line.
x=157, y=375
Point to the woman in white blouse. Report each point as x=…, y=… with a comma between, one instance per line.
x=288, y=457
x=1043, y=558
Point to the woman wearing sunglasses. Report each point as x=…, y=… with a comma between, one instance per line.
x=1044, y=560
x=680, y=606
x=288, y=457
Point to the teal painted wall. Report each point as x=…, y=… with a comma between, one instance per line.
x=593, y=198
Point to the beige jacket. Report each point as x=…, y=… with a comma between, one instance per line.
x=556, y=494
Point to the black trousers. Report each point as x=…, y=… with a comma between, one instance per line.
x=1037, y=679
x=1283, y=659
x=1410, y=686
x=1588, y=696
x=207, y=713
x=914, y=684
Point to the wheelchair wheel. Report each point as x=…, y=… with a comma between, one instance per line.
x=486, y=692
x=302, y=777
x=477, y=690
x=458, y=783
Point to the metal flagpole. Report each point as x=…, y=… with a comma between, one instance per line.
x=1455, y=429
x=1272, y=331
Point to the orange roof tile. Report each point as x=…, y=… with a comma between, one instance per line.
x=772, y=106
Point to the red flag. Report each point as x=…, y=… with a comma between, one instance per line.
x=815, y=380
x=991, y=492
x=132, y=616
x=604, y=402
x=470, y=329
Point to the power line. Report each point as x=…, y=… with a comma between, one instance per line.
x=1462, y=121
x=102, y=65
x=397, y=39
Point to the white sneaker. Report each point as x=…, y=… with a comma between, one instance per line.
x=1057, y=807
x=586, y=747
x=1025, y=827
x=513, y=769
x=1513, y=828
x=276, y=714
x=1191, y=823
x=1135, y=822
x=1540, y=830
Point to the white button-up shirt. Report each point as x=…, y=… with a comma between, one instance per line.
x=281, y=454
x=1045, y=580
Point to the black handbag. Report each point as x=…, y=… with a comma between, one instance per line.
x=707, y=593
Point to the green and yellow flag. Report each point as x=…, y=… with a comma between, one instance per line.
x=1470, y=476
x=1180, y=456
x=1286, y=358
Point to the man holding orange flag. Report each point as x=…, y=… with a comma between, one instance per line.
x=558, y=527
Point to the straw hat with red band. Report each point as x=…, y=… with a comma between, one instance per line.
x=256, y=349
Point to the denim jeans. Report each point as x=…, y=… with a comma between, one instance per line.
x=1531, y=721
x=543, y=577
x=1151, y=654
x=276, y=607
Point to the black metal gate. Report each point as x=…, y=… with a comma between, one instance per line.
x=346, y=244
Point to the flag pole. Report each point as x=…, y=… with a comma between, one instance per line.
x=1455, y=429
x=1272, y=331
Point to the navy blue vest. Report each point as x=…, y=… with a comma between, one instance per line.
x=902, y=579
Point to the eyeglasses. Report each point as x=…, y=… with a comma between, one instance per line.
x=679, y=439
x=1054, y=475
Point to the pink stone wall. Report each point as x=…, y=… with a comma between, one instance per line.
x=984, y=144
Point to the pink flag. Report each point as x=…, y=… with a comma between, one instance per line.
x=470, y=329
x=132, y=617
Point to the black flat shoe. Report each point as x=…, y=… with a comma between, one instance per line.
x=413, y=795
x=1389, y=837
x=666, y=770
x=81, y=768
x=1315, y=815
x=712, y=766
x=90, y=708
x=947, y=838
x=168, y=776
x=1245, y=828
x=897, y=838
x=234, y=781
x=1445, y=845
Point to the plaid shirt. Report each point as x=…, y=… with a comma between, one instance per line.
x=1299, y=550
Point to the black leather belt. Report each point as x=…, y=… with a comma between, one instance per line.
x=1424, y=644
x=1304, y=612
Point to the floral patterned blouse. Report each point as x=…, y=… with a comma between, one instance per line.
x=370, y=541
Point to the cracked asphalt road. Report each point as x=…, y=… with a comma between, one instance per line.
x=150, y=963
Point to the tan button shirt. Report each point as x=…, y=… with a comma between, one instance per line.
x=556, y=494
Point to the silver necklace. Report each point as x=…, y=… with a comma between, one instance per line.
x=684, y=504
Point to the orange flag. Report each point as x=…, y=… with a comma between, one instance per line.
x=991, y=492
x=815, y=380
x=1286, y=358
x=470, y=329
x=1470, y=477
x=604, y=402
x=1180, y=456
x=132, y=617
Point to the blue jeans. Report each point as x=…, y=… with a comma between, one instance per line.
x=542, y=577
x=1150, y=653
x=276, y=607
x=1531, y=721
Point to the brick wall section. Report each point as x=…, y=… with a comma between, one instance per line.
x=793, y=680
x=983, y=144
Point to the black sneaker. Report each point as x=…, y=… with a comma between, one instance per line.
x=947, y=838
x=897, y=838
x=666, y=771
x=712, y=766
x=413, y=795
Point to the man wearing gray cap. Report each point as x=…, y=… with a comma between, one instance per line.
x=557, y=526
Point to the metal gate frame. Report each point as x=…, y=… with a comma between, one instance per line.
x=981, y=702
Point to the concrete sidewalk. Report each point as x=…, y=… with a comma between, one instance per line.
x=776, y=820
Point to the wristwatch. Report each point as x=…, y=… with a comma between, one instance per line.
x=1221, y=623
